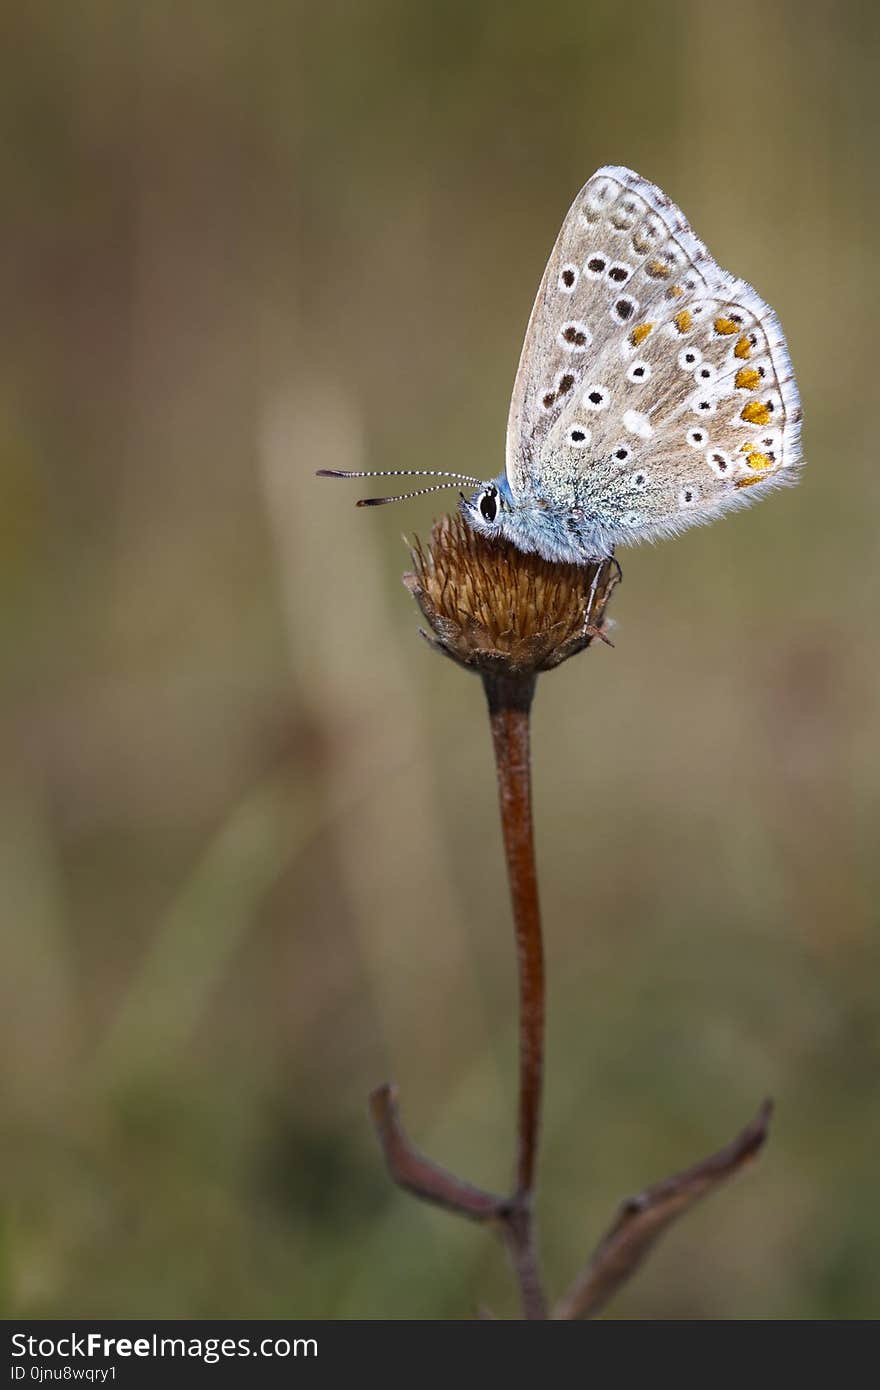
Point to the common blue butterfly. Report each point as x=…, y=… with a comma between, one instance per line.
x=654, y=390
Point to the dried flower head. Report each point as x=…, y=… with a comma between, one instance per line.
x=496, y=610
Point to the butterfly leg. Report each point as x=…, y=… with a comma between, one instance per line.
x=591, y=629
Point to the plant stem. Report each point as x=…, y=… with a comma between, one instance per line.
x=507, y=615
x=510, y=701
x=642, y=1220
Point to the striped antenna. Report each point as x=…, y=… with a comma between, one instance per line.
x=398, y=473
x=454, y=480
x=402, y=496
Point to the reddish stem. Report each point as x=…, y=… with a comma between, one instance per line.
x=641, y=1220
x=510, y=701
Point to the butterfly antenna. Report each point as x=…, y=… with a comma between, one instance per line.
x=398, y=473
x=403, y=496
x=453, y=480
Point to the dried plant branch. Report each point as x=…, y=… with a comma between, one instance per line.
x=412, y=1170
x=509, y=616
x=642, y=1220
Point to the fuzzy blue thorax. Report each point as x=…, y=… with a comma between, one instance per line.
x=569, y=534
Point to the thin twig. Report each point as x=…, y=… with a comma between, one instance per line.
x=412, y=1170
x=642, y=1220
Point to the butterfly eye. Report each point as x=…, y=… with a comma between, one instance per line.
x=489, y=505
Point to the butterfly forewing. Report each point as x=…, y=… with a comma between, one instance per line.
x=654, y=389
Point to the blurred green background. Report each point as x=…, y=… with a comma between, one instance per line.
x=251, y=859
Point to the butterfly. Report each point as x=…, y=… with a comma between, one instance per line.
x=654, y=390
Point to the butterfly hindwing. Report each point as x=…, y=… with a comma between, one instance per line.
x=653, y=387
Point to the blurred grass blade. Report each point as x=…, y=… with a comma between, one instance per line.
x=200, y=933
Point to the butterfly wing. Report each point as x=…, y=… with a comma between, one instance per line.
x=654, y=389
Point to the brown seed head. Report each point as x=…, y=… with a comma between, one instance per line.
x=496, y=610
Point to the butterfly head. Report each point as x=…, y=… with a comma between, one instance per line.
x=490, y=509
x=533, y=525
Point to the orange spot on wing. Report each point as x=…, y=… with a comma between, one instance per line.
x=755, y=413
x=725, y=326
x=747, y=378
x=743, y=347
x=658, y=270
x=640, y=333
x=759, y=461
x=683, y=320
x=755, y=459
x=748, y=482
x=675, y=292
